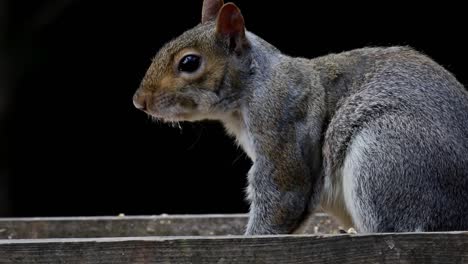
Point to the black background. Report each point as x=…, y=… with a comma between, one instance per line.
x=76, y=145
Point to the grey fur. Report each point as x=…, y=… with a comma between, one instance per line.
x=404, y=116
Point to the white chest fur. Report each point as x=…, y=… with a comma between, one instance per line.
x=235, y=126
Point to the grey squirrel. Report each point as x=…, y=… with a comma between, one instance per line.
x=378, y=137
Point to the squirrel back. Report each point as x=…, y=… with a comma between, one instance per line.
x=376, y=136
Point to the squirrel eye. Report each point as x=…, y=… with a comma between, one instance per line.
x=189, y=63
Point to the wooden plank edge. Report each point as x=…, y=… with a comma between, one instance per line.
x=436, y=247
x=230, y=237
x=127, y=217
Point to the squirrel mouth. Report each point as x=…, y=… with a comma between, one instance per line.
x=169, y=117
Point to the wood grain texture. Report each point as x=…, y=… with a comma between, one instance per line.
x=449, y=247
x=136, y=226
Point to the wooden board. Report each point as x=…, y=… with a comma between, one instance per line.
x=377, y=248
x=136, y=226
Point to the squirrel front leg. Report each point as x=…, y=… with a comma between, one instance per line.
x=279, y=191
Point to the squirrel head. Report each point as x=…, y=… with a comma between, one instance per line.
x=199, y=74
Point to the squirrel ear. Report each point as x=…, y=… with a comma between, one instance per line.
x=210, y=9
x=230, y=25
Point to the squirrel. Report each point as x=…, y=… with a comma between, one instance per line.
x=376, y=136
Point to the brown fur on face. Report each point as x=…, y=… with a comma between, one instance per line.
x=213, y=90
x=169, y=94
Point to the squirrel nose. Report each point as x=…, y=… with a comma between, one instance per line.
x=139, y=101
